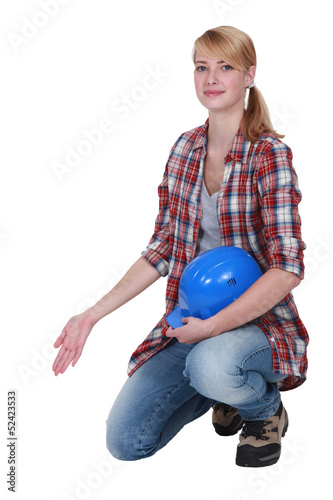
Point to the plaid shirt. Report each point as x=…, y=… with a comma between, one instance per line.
x=257, y=207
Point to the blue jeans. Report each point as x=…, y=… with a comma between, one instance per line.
x=182, y=382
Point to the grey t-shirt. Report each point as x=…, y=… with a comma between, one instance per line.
x=209, y=231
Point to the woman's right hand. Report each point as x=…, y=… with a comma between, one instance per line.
x=72, y=340
x=73, y=337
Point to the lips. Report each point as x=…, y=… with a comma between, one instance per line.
x=213, y=93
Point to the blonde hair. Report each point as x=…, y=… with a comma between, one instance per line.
x=237, y=49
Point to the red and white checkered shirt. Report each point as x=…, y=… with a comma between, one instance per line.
x=258, y=211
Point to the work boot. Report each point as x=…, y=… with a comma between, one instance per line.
x=226, y=420
x=260, y=441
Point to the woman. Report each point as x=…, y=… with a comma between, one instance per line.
x=227, y=182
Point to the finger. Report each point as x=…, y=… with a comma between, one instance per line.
x=77, y=356
x=169, y=332
x=65, y=362
x=59, y=358
x=59, y=340
x=56, y=362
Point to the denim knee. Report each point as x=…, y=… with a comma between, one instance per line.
x=119, y=443
x=206, y=368
x=114, y=445
x=232, y=369
x=124, y=442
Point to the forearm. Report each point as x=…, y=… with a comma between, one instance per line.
x=139, y=277
x=264, y=294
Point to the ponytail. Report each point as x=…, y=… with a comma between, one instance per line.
x=256, y=119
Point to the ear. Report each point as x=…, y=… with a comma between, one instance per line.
x=250, y=76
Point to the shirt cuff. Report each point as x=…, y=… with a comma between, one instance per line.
x=288, y=256
x=155, y=259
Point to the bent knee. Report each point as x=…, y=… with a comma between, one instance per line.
x=209, y=368
x=120, y=443
x=124, y=442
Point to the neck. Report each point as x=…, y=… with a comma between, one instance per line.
x=223, y=128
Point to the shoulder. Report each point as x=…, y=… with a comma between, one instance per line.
x=190, y=139
x=273, y=162
x=186, y=153
x=270, y=146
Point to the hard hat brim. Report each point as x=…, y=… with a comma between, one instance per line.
x=174, y=319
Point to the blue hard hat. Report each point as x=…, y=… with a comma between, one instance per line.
x=212, y=281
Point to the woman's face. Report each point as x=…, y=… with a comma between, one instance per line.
x=218, y=86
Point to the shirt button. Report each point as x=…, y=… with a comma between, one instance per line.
x=272, y=339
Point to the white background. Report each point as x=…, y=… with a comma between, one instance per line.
x=65, y=240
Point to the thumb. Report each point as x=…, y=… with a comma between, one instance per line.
x=59, y=340
x=169, y=331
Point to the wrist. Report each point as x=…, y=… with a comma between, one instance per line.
x=92, y=315
x=213, y=326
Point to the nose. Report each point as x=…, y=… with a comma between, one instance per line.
x=212, y=78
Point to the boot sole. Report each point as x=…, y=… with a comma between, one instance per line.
x=250, y=456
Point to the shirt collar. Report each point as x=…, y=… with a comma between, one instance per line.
x=239, y=148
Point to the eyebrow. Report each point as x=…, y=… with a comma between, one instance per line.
x=205, y=62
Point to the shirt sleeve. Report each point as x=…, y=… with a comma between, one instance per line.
x=157, y=251
x=279, y=199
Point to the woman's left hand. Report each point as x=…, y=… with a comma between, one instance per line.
x=194, y=330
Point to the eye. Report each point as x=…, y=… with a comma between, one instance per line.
x=226, y=67
x=201, y=68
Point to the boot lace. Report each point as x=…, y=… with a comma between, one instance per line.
x=256, y=429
